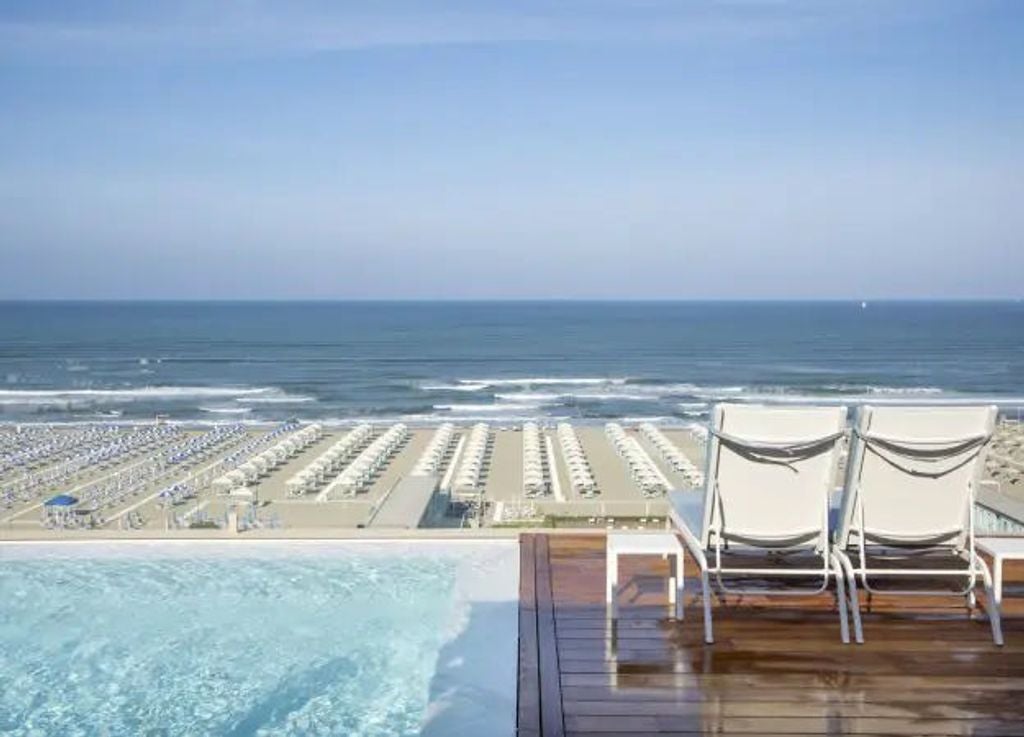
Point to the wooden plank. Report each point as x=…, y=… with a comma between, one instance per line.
x=723, y=693
x=1008, y=709
x=712, y=724
x=777, y=666
x=836, y=671
x=528, y=691
x=638, y=647
x=790, y=680
x=552, y=722
x=941, y=634
x=747, y=730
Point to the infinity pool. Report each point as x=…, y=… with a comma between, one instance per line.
x=267, y=639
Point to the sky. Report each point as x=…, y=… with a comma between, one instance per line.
x=465, y=149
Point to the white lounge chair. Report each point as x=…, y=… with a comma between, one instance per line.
x=769, y=472
x=909, y=495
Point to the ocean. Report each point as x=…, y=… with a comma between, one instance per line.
x=427, y=362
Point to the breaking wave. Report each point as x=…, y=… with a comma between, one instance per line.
x=146, y=393
x=227, y=410
x=486, y=408
x=471, y=385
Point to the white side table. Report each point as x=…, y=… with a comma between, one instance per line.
x=1000, y=548
x=664, y=544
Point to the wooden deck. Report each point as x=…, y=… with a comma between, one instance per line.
x=777, y=666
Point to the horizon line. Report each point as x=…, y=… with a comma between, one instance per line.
x=503, y=300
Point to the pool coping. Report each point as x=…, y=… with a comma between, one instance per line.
x=317, y=535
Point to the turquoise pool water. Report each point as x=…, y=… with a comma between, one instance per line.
x=343, y=642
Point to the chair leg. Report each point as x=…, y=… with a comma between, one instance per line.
x=678, y=583
x=709, y=636
x=844, y=624
x=851, y=582
x=612, y=584
x=991, y=605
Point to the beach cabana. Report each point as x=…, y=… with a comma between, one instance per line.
x=60, y=508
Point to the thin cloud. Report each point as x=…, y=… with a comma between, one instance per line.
x=268, y=29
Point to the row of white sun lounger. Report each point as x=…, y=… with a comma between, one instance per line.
x=581, y=478
x=433, y=456
x=269, y=459
x=535, y=476
x=365, y=467
x=642, y=469
x=135, y=480
x=110, y=490
x=672, y=454
x=114, y=490
x=241, y=453
x=327, y=464
x=474, y=456
x=109, y=451
x=195, y=448
x=26, y=448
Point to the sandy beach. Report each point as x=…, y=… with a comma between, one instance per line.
x=501, y=504
x=1005, y=463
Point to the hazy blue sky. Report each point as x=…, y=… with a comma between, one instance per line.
x=559, y=148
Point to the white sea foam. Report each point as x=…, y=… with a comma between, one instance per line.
x=716, y=391
x=38, y=402
x=547, y=381
x=453, y=387
x=613, y=397
x=638, y=420
x=586, y=396
x=869, y=389
x=428, y=420
x=282, y=399
x=472, y=385
x=488, y=408
x=144, y=393
x=530, y=397
x=227, y=410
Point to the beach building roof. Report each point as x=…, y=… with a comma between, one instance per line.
x=61, y=500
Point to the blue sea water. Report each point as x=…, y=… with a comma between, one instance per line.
x=427, y=362
x=208, y=644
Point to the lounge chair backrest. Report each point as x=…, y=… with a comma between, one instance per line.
x=913, y=472
x=769, y=473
